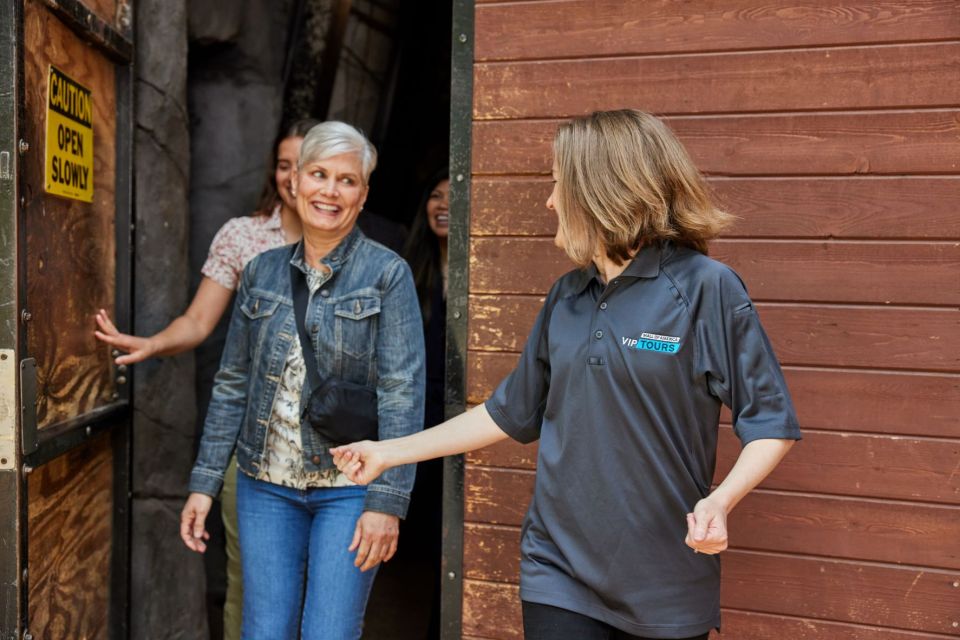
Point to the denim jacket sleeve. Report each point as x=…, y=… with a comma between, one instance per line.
x=228, y=402
x=400, y=384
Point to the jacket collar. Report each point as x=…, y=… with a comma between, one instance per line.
x=336, y=258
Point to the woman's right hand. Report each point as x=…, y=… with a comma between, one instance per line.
x=362, y=462
x=137, y=349
x=192, y=520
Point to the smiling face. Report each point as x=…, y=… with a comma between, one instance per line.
x=438, y=209
x=330, y=194
x=288, y=151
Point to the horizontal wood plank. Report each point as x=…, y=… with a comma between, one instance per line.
x=742, y=625
x=898, y=468
x=883, y=338
x=900, y=76
x=855, y=400
x=496, y=496
x=491, y=611
x=800, y=144
x=578, y=28
x=775, y=270
x=903, y=208
x=838, y=528
x=902, y=598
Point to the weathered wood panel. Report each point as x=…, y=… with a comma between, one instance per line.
x=492, y=610
x=853, y=400
x=70, y=244
x=882, y=142
x=742, y=625
x=904, y=598
x=861, y=465
x=898, y=76
x=838, y=528
x=69, y=543
x=812, y=271
x=586, y=28
x=924, y=339
x=886, y=207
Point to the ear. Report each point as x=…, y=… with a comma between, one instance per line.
x=363, y=198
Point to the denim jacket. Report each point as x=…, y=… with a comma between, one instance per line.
x=366, y=328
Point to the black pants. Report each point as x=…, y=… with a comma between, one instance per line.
x=543, y=622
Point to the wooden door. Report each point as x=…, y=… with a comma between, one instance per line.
x=66, y=108
x=831, y=128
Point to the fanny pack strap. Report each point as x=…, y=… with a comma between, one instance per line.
x=301, y=293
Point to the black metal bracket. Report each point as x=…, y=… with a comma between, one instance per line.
x=458, y=240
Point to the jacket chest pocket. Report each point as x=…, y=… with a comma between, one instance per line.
x=355, y=325
x=260, y=313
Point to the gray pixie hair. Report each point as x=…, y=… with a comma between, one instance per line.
x=333, y=138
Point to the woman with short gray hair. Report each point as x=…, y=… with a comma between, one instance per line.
x=325, y=346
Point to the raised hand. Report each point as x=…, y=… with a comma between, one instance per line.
x=137, y=349
x=362, y=462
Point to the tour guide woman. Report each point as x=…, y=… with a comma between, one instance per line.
x=299, y=517
x=621, y=380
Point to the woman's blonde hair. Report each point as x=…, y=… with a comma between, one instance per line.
x=624, y=181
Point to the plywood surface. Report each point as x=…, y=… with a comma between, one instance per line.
x=70, y=244
x=69, y=543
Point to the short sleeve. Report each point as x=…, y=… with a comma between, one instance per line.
x=737, y=360
x=224, y=263
x=517, y=406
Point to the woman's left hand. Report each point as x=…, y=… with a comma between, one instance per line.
x=375, y=539
x=707, y=527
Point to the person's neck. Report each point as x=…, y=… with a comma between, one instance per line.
x=316, y=246
x=609, y=269
x=290, y=223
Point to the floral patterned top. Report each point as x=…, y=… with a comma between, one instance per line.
x=283, y=461
x=237, y=242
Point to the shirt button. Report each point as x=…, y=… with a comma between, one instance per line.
x=325, y=293
x=603, y=305
x=598, y=334
x=315, y=459
x=615, y=281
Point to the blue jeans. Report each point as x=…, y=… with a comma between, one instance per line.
x=288, y=536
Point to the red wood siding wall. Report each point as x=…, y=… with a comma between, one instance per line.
x=832, y=128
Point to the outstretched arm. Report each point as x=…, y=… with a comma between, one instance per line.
x=707, y=525
x=184, y=333
x=363, y=461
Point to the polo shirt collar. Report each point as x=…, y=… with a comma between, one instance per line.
x=645, y=264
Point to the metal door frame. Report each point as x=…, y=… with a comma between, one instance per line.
x=18, y=430
x=458, y=239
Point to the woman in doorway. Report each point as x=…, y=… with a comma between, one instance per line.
x=274, y=224
x=621, y=380
x=395, y=611
x=357, y=334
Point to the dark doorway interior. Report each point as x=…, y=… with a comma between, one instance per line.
x=256, y=66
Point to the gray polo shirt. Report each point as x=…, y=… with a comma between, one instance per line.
x=623, y=384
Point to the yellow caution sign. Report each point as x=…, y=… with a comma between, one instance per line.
x=69, y=148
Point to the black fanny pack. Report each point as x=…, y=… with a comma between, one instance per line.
x=338, y=410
